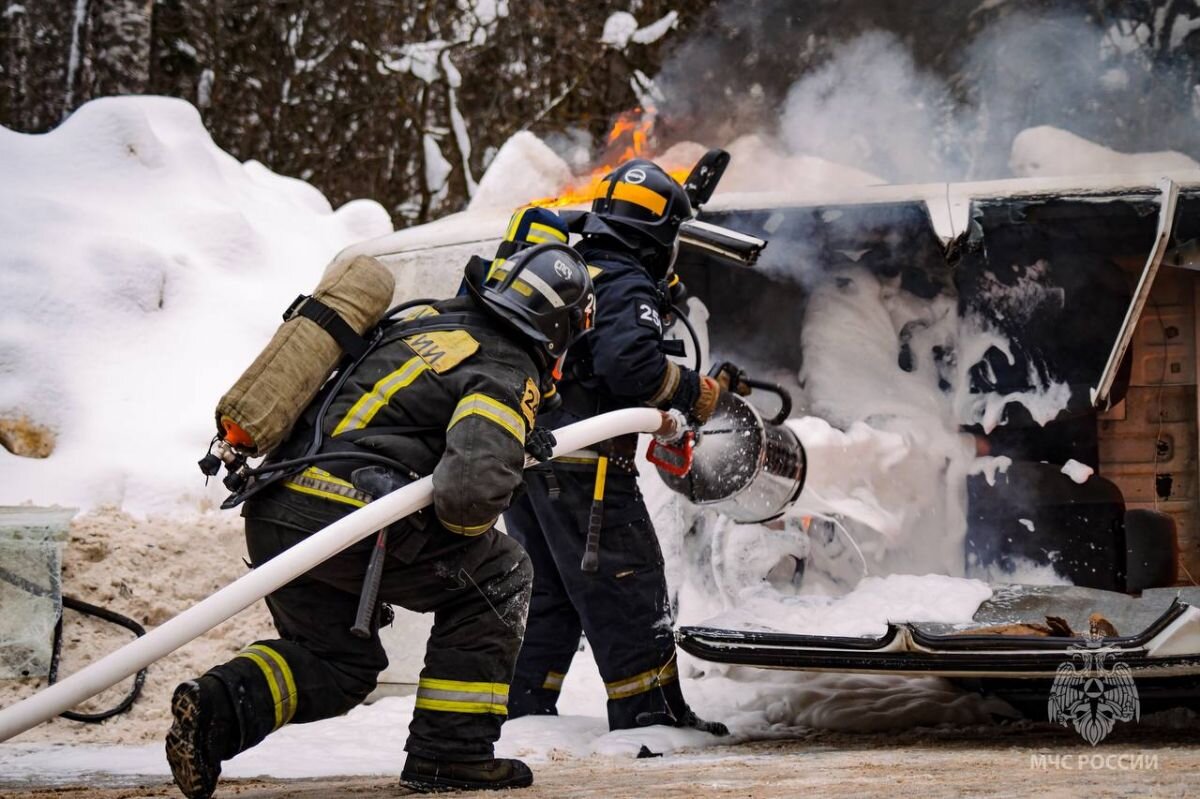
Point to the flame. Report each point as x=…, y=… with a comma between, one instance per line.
x=628, y=138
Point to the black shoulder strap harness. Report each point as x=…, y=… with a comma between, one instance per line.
x=331, y=322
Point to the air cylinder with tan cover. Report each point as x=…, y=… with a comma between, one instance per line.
x=270, y=396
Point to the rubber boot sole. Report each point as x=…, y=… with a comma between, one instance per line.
x=443, y=785
x=190, y=764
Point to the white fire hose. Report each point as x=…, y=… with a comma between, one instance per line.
x=280, y=570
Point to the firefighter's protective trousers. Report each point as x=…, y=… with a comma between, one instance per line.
x=477, y=590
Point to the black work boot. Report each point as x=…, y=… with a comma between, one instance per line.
x=199, y=735
x=690, y=719
x=687, y=719
x=432, y=776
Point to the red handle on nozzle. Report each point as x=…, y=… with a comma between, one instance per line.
x=673, y=459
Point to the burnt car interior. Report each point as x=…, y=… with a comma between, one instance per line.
x=1088, y=297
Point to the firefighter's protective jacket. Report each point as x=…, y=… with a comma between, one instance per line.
x=456, y=403
x=620, y=364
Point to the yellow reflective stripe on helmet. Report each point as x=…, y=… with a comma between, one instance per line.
x=514, y=222
x=554, y=681
x=279, y=678
x=454, y=696
x=320, y=483
x=369, y=404
x=493, y=410
x=649, y=199
x=641, y=683
x=540, y=234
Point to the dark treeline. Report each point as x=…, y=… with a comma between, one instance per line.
x=352, y=95
x=405, y=101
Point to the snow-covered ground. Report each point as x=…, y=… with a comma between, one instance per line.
x=770, y=705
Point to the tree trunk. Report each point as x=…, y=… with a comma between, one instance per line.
x=119, y=47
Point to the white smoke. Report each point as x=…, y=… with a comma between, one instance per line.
x=872, y=107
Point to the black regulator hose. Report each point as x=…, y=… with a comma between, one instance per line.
x=88, y=609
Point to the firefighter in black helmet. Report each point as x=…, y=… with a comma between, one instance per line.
x=451, y=389
x=598, y=569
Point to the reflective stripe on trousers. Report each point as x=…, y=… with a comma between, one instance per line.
x=279, y=680
x=456, y=696
x=641, y=683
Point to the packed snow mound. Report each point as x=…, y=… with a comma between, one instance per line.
x=524, y=169
x=142, y=270
x=1047, y=151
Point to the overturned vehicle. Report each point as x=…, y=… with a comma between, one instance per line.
x=1034, y=343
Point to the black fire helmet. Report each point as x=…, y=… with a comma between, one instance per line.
x=641, y=206
x=544, y=292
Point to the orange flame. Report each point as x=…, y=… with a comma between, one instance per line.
x=628, y=138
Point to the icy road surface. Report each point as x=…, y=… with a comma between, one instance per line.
x=932, y=763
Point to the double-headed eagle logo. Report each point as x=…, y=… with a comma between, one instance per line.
x=1092, y=692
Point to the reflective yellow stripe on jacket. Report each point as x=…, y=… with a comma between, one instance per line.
x=455, y=696
x=493, y=410
x=371, y=403
x=280, y=681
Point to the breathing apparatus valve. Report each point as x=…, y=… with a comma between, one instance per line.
x=223, y=453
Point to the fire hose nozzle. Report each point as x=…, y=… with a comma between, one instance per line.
x=674, y=427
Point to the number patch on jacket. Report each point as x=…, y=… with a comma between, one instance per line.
x=647, y=316
x=530, y=400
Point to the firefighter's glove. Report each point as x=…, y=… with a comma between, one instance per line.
x=696, y=396
x=731, y=378
x=540, y=444
x=706, y=400
x=378, y=481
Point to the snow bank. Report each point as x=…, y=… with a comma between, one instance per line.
x=1046, y=151
x=524, y=169
x=142, y=269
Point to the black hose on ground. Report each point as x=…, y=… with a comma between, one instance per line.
x=88, y=609
x=139, y=679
